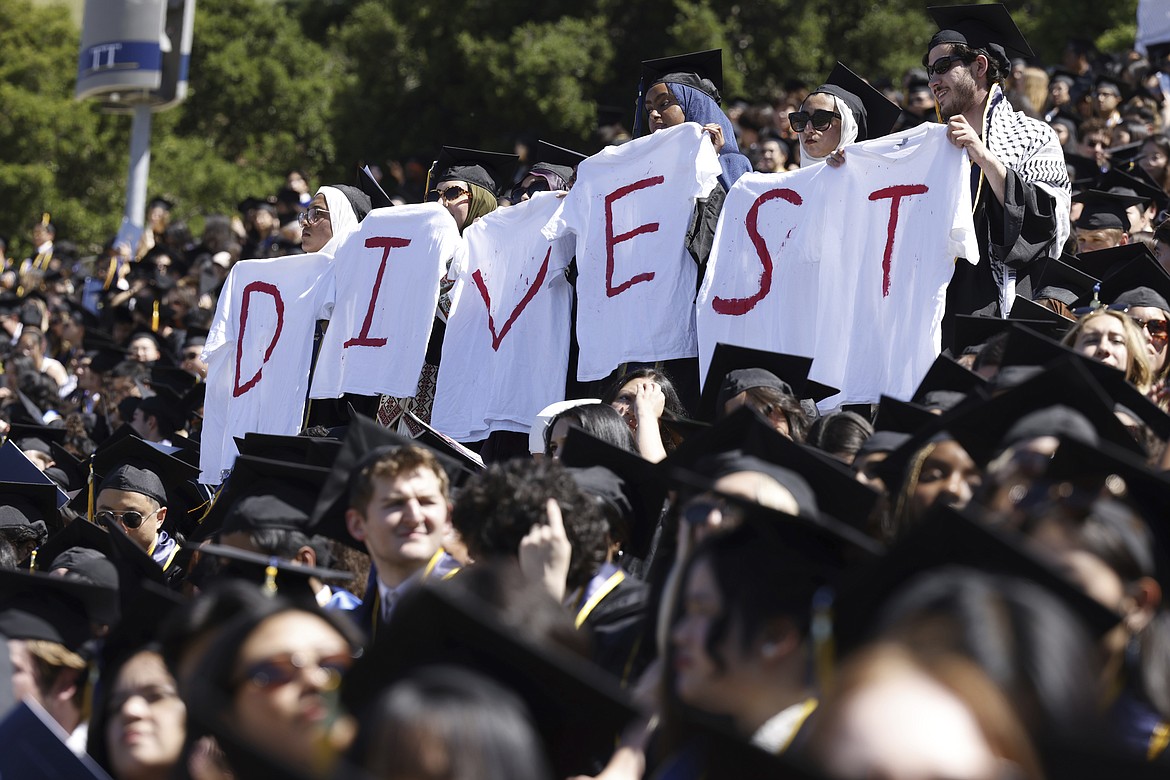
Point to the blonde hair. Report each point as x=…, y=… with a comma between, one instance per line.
x=1034, y=85
x=1137, y=370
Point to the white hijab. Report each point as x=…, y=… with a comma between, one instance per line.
x=342, y=218
x=848, y=131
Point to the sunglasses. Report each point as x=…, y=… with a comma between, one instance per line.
x=820, y=119
x=540, y=185
x=451, y=193
x=1159, y=330
x=129, y=519
x=325, y=671
x=943, y=64
x=312, y=215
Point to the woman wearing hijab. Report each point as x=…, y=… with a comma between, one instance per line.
x=843, y=110
x=333, y=214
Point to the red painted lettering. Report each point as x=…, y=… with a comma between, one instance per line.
x=481, y=285
x=611, y=240
x=278, y=303
x=363, y=338
x=740, y=306
x=895, y=194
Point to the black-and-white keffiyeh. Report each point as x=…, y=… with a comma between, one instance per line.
x=1030, y=149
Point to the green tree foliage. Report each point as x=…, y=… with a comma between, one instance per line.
x=324, y=84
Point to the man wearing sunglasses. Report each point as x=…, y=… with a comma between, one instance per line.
x=134, y=499
x=1020, y=186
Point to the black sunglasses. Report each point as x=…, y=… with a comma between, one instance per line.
x=943, y=64
x=820, y=119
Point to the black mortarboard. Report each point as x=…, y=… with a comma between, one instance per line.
x=1102, y=263
x=374, y=196
x=791, y=370
x=1062, y=282
x=290, y=579
x=67, y=470
x=551, y=154
x=638, y=479
x=309, y=450
x=876, y=115
x=1082, y=170
x=947, y=538
x=1030, y=311
x=363, y=439
x=40, y=606
x=975, y=329
x=1122, y=183
x=134, y=465
x=16, y=467
x=35, y=438
x=1105, y=210
x=103, y=359
x=491, y=170
x=159, y=200
x=702, y=70
x=1121, y=286
x=838, y=493
x=175, y=379
x=166, y=405
x=577, y=709
x=721, y=464
x=882, y=441
x=945, y=374
x=78, y=534
x=988, y=27
x=261, y=494
x=902, y=416
x=25, y=503
x=35, y=748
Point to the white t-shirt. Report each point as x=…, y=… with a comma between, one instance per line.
x=853, y=287
x=258, y=352
x=506, y=349
x=630, y=209
x=387, y=276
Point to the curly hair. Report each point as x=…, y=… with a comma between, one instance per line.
x=498, y=507
x=997, y=70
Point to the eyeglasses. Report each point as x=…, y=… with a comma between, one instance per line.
x=1159, y=330
x=451, y=193
x=129, y=519
x=325, y=671
x=820, y=119
x=312, y=215
x=943, y=64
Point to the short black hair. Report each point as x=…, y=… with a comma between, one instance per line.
x=499, y=506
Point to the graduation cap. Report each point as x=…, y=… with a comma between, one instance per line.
x=1122, y=183
x=35, y=747
x=902, y=416
x=159, y=200
x=130, y=450
x=78, y=534
x=947, y=376
x=1083, y=171
x=166, y=405
x=263, y=494
x=492, y=171
x=756, y=368
x=551, y=154
x=67, y=470
x=1062, y=282
x=988, y=27
x=16, y=467
x=35, y=438
x=702, y=70
x=837, y=492
x=249, y=203
x=309, y=450
x=1123, y=285
x=442, y=444
x=26, y=503
x=103, y=358
x=375, y=196
x=577, y=708
x=972, y=330
x=1030, y=311
x=274, y=574
x=40, y=606
x=365, y=440
x=175, y=379
x=876, y=115
x=85, y=552
x=946, y=538
x=1105, y=210
x=1102, y=263
x=635, y=490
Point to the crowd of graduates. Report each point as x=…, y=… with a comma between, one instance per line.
x=670, y=576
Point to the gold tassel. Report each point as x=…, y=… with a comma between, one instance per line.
x=824, y=650
x=32, y=561
x=270, y=578
x=44, y=219
x=154, y=318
